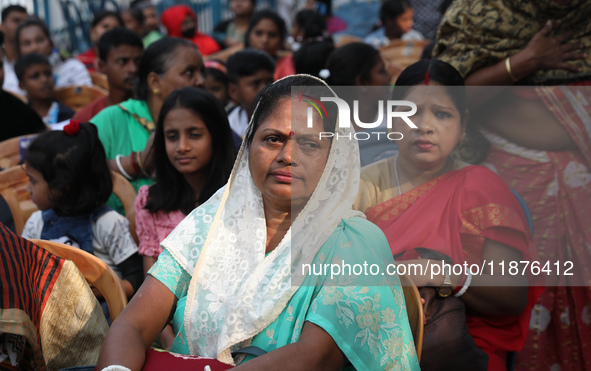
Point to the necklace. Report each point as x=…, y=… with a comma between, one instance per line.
x=397, y=176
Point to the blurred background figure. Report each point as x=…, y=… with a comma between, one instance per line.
x=12, y=16
x=231, y=31
x=32, y=36
x=16, y=118
x=267, y=32
x=101, y=23
x=181, y=21
x=396, y=21
x=36, y=79
x=119, y=53
x=216, y=81
x=312, y=44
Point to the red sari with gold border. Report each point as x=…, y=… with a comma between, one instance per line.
x=454, y=214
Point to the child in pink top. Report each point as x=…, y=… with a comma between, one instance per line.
x=194, y=153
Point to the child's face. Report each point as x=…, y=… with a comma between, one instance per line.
x=188, y=142
x=33, y=40
x=38, y=188
x=247, y=88
x=38, y=82
x=218, y=89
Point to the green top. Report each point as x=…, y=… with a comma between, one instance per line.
x=121, y=132
x=151, y=37
x=368, y=323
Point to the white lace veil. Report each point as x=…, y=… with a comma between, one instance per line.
x=235, y=291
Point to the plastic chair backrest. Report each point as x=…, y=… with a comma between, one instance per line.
x=77, y=97
x=13, y=182
x=400, y=54
x=96, y=272
x=414, y=309
x=123, y=189
x=10, y=150
x=99, y=79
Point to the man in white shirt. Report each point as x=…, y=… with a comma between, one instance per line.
x=12, y=16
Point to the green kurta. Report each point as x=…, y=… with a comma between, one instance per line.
x=121, y=133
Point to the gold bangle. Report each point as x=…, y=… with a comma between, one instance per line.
x=508, y=68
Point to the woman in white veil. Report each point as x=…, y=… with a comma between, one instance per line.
x=231, y=272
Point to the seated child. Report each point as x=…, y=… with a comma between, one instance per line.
x=396, y=19
x=216, y=80
x=70, y=183
x=36, y=78
x=249, y=71
x=194, y=155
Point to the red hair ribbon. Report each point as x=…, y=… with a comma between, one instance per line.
x=72, y=128
x=427, y=77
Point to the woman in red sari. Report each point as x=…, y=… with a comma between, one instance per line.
x=425, y=198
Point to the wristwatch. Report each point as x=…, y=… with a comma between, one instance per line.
x=444, y=290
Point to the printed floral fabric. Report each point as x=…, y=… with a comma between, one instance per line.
x=152, y=228
x=365, y=314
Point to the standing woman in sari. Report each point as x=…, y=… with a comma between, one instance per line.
x=229, y=273
x=540, y=145
x=424, y=198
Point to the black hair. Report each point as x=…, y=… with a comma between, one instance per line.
x=217, y=74
x=141, y=4
x=350, y=61
x=266, y=14
x=313, y=24
x=31, y=21
x=12, y=8
x=25, y=61
x=268, y=100
x=428, y=51
x=312, y=56
x=74, y=167
x=98, y=17
x=115, y=38
x=247, y=62
x=324, y=7
x=393, y=8
x=441, y=72
x=157, y=58
x=137, y=14
x=171, y=191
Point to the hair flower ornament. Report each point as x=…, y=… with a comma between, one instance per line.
x=72, y=128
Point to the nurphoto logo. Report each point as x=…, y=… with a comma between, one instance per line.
x=344, y=119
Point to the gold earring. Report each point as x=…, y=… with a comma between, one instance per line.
x=156, y=91
x=462, y=137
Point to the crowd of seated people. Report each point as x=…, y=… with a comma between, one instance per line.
x=243, y=173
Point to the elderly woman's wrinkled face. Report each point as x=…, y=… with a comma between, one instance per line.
x=185, y=69
x=286, y=157
x=439, y=126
